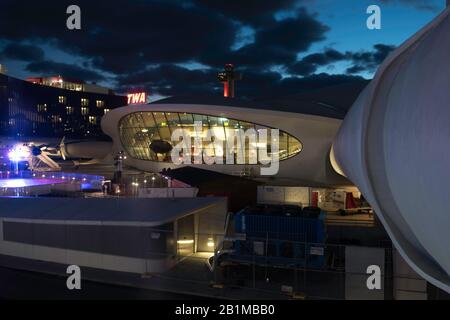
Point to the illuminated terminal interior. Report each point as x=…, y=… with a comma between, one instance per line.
x=139, y=130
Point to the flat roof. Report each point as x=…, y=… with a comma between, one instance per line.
x=23, y=183
x=107, y=211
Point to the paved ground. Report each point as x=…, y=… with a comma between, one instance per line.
x=190, y=278
x=18, y=284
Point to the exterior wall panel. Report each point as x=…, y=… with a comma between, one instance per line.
x=115, y=240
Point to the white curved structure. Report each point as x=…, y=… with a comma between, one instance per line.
x=308, y=165
x=394, y=145
x=86, y=149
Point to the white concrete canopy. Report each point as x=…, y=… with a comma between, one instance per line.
x=311, y=165
x=394, y=145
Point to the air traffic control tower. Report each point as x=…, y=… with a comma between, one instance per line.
x=228, y=77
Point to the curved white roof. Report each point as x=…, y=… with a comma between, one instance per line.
x=394, y=145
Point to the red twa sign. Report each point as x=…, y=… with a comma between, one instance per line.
x=137, y=98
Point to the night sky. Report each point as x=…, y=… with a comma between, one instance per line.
x=172, y=47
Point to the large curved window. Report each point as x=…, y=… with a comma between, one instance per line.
x=147, y=135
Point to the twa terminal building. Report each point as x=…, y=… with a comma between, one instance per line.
x=306, y=131
x=392, y=144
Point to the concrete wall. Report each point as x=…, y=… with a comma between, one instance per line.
x=127, y=249
x=211, y=227
x=109, y=246
x=136, y=242
x=168, y=192
x=408, y=285
x=103, y=260
x=357, y=259
x=185, y=235
x=284, y=195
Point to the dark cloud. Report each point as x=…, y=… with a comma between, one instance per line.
x=153, y=32
x=362, y=61
x=369, y=60
x=381, y=52
x=303, y=68
x=68, y=70
x=253, y=12
x=293, y=33
x=167, y=79
x=293, y=85
x=355, y=69
x=15, y=51
x=141, y=44
x=278, y=42
x=309, y=64
x=118, y=36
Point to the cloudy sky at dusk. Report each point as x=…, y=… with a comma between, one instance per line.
x=174, y=47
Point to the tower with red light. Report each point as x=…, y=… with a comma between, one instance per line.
x=228, y=77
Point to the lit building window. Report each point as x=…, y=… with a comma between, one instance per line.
x=105, y=111
x=92, y=120
x=69, y=110
x=62, y=99
x=138, y=130
x=100, y=103
x=84, y=111
x=42, y=107
x=56, y=119
x=60, y=83
x=84, y=102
